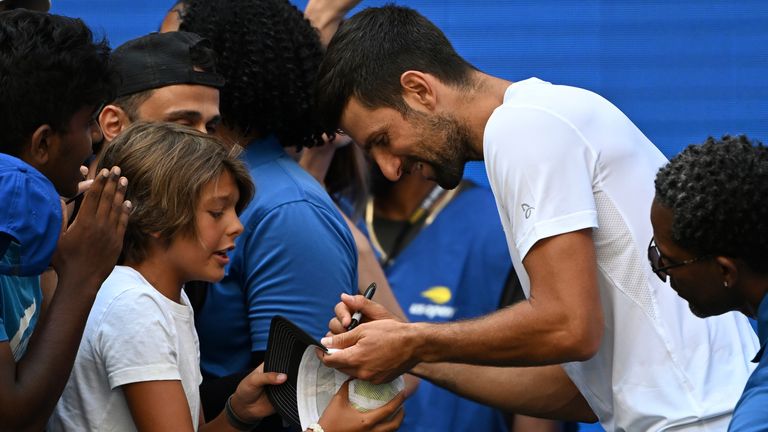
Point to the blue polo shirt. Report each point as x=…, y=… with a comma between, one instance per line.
x=751, y=412
x=454, y=269
x=294, y=258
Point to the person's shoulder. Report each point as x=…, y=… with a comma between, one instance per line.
x=285, y=182
x=126, y=292
x=551, y=101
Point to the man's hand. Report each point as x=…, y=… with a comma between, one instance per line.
x=88, y=249
x=341, y=416
x=250, y=402
x=377, y=351
x=348, y=305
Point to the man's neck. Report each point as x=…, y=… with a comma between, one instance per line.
x=475, y=106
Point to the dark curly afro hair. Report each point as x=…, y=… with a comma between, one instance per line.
x=718, y=192
x=269, y=54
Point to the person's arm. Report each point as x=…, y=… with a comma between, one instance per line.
x=86, y=253
x=317, y=160
x=298, y=259
x=561, y=321
x=162, y=405
x=326, y=15
x=542, y=391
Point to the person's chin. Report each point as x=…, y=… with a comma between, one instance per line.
x=447, y=181
x=696, y=311
x=706, y=312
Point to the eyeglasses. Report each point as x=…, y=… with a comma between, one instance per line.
x=657, y=260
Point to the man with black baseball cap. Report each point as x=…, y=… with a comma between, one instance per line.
x=164, y=77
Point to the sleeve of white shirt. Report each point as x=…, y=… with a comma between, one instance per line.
x=136, y=341
x=542, y=171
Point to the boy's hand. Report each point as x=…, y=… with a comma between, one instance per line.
x=250, y=402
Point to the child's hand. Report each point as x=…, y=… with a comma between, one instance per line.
x=250, y=402
x=341, y=416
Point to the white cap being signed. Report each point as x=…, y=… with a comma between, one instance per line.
x=311, y=385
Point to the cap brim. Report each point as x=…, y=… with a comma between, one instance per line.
x=285, y=348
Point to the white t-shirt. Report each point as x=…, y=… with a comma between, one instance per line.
x=133, y=334
x=561, y=159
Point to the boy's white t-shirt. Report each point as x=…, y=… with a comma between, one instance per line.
x=133, y=334
x=561, y=159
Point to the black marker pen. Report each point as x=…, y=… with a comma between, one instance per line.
x=369, y=292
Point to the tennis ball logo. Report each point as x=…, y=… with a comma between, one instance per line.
x=438, y=294
x=366, y=396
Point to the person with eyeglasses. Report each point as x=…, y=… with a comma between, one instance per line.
x=710, y=226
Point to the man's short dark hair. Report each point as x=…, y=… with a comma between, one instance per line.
x=50, y=68
x=717, y=192
x=372, y=49
x=269, y=54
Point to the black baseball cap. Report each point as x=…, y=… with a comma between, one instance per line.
x=286, y=346
x=159, y=60
x=304, y=396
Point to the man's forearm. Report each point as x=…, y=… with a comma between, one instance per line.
x=562, y=320
x=529, y=333
x=544, y=391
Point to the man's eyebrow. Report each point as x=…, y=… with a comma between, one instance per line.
x=183, y=114
x=216, y=120
x=377, y=137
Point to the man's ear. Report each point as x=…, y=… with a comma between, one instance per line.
x=113, y=120
x=37, y=153
x=419, y=90
x=729, y=270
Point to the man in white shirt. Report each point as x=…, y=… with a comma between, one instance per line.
x=573, y=182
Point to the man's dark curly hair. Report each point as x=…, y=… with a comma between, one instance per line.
x=718, y=192
x=269, y=55
x=369, y=53
x=50, y=68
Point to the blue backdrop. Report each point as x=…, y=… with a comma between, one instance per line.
x=681, y=70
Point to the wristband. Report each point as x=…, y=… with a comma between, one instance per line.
x=235, y=421
x=315, y=427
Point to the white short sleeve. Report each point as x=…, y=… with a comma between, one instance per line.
x=137, y=340
x=541, y=170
